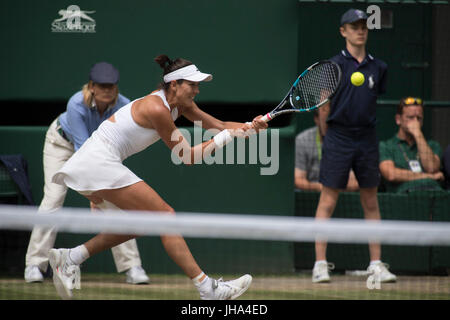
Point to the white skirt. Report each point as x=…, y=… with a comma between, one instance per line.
x=95, y=166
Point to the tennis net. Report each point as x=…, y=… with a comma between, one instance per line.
x=227, y=245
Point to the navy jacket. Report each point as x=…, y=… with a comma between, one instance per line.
x=17, y=168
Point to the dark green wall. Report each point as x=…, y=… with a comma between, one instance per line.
x=249, y=46
x=253, y=48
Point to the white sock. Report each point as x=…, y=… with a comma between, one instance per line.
x=78, y=254
x=375, y=262
x=201, y=284
x=319, y=261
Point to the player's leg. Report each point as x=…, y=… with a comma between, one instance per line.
x=126, y=255
x=140, y=196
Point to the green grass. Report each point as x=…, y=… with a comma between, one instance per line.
x=264, y=287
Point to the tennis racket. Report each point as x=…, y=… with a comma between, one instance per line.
x=312, y=89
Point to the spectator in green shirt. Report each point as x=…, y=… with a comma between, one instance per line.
x=408, y=161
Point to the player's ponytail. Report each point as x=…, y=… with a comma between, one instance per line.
x=162, y=60
x=169, y=66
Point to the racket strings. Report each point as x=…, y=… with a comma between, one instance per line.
x=315, y=86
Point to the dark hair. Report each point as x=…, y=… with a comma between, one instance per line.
x=169, y=66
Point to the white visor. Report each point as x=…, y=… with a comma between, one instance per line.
x=189, y=72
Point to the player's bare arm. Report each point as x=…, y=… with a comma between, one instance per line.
x=153, y=114
x=194, y=113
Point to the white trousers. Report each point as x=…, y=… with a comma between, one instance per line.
x=57, y=151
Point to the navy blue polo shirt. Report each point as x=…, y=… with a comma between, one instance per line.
x=354, y=106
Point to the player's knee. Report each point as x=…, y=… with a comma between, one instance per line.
x=94, y=199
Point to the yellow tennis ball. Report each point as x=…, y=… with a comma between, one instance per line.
x=357, y=79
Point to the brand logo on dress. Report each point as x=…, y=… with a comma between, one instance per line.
x=74, y=20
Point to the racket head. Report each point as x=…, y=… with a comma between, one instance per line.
x=315, y=86
x=311, y=90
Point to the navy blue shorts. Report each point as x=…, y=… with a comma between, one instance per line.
x=344, y=149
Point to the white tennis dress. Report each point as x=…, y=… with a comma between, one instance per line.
x=98, y=164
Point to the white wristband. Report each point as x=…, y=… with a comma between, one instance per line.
x=222, y=138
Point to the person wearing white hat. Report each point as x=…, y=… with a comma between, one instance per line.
x=130, y=130
x=86, y=109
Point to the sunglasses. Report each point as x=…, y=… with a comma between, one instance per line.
x=412, y=101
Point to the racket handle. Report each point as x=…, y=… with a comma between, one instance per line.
x=267, y=117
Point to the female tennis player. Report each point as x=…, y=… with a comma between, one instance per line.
x=86, y=109
x=96, y=171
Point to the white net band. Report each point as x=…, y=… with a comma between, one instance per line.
x=232, y=226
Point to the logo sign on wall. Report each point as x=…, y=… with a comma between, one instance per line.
x=74, y=20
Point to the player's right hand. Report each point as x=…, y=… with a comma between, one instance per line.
x=259, y=124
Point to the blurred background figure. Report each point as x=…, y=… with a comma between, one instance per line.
x=408, y=161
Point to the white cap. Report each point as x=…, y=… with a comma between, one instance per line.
x=189, y=72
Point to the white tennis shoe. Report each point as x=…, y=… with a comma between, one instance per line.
x=381, y=272
x=136, y=275
x=33, y=274
x=227, y=290
x=320, y=272
x=66, y=275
